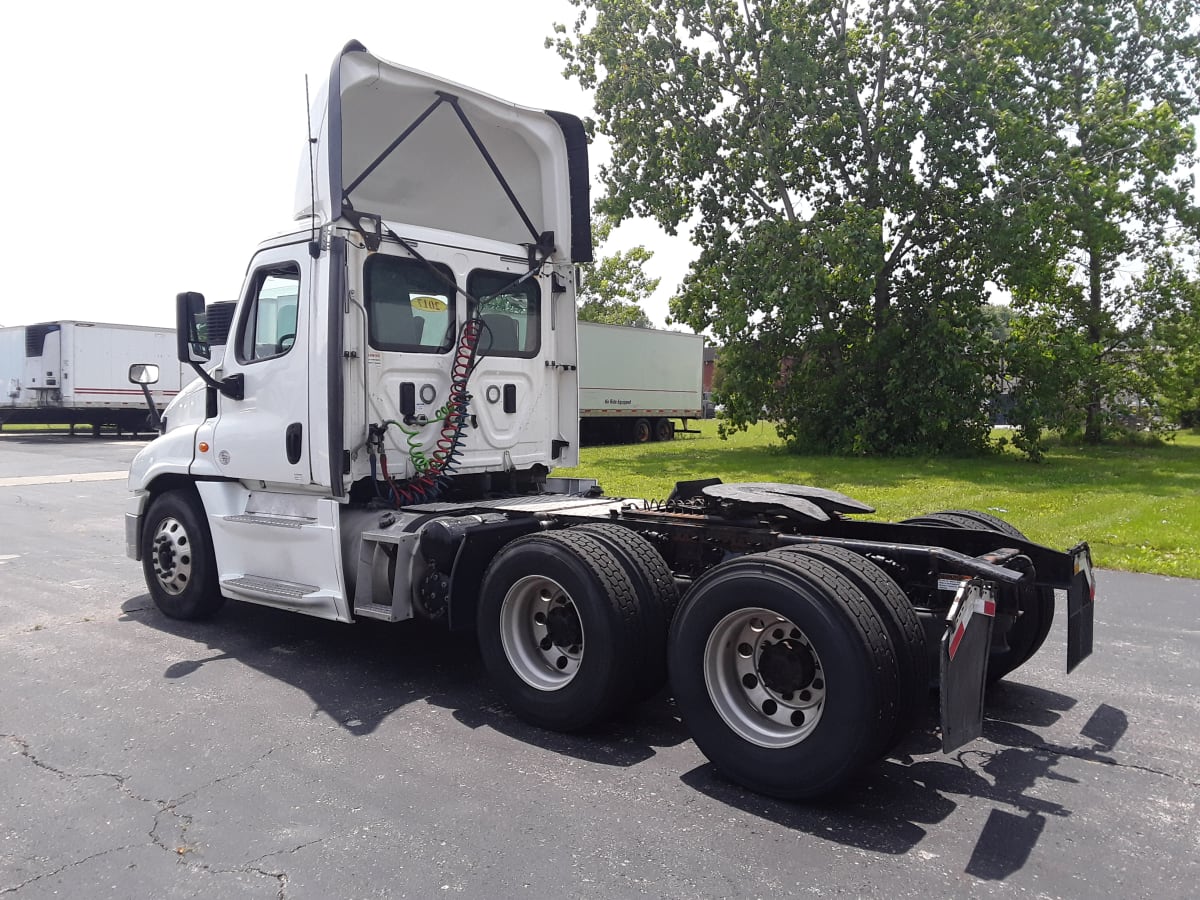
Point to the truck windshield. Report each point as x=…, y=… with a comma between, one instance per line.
x=409, y=308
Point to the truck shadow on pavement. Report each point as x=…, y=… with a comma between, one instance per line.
x=892, y=805
x=359, y=676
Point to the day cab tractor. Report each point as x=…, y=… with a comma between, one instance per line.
x=378, y=437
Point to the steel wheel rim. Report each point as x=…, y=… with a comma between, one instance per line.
x=539, y=625
x=171, y=556
x=764, y=678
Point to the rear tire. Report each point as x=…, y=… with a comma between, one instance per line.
x=658, y=596
x=177, y=557
x=641, y=431
x=1032, y=626
x=664, y=430
x=900, y=619
x=561, y=630
x=783, y=673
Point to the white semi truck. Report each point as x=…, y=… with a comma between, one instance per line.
x=636, y=383
x=378, y=439
x=69, y=372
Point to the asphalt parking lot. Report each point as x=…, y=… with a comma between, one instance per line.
x=266, y=754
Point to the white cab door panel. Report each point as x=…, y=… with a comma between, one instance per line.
x=265, y=436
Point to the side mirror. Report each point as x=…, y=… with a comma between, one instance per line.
x=143, y=373
x=191, y=340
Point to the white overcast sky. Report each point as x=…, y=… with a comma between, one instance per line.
x=148, y=147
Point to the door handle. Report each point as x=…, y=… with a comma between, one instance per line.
x=293, y=442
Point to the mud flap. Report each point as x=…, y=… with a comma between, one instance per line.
x=964, y=657
x=1081, y=607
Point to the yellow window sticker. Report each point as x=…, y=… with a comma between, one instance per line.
x=429, y=304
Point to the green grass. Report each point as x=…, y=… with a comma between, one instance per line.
x=27, y=428
x=1138, y=507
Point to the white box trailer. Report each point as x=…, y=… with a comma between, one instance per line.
x=71, y=373
x=634, y=382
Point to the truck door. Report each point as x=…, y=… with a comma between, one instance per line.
x=264, y=436
x=514, y=397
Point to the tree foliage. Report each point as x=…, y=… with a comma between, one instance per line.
x=1095, y=140
x=828, y=158
x=1174, y=346
x=616, y=286
x=855, y=173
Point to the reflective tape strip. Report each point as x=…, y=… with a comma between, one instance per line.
x=983, y=603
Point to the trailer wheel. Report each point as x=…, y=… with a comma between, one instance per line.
x=177, y=558
x=784, y=674
x=561, y=629
x=641, y=431
x=664, y=430
x=898, y=616
x=657, y=593
x=1029, y=632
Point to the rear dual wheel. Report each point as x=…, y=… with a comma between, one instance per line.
x=1032, y=626
x=784, y=673
x=904, y=629
x=567, y=633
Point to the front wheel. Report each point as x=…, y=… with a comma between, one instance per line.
x=177, y=557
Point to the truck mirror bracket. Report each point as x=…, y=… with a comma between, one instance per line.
x=233, y=387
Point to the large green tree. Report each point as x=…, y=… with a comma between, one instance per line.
x=616, y=286
x=1173, y=353
x=831, y=159
x=1094, y=145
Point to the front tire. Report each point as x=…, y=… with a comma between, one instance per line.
x=783, y=673
x=177, y=557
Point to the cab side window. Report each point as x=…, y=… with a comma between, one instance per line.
x=268, y=326
x=510, y=312
x=409, y=307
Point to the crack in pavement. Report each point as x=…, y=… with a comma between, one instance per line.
x=1091, y=755
x=164, y=807
x=61, y=869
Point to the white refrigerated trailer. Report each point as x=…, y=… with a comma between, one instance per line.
x=76, y=373
x=635, y=383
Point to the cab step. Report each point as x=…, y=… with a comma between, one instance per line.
x=271, y=591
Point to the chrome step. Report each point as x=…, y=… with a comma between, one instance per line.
x=376, y=611
x=268, y=519
x=258, y=588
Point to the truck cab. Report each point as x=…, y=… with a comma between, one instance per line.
x=413, y=331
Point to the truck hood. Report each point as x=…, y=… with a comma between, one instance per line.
x=189, y=406
x=407, y=147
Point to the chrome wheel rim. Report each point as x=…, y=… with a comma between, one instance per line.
x=541, y=632
x=764, y=678
x=171, y=556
